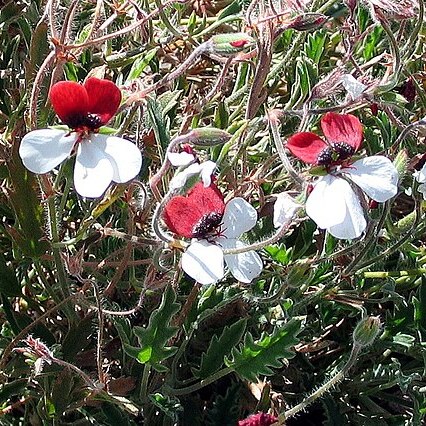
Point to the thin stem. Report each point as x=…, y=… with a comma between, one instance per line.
x=324, y=388
x=28, y=328
x=386, y=274
x=123, y=31
x=205, y=382
x=260, y=244
x=173, y=75
x=144, y=383
x=396, y=57
x=371, y=238
x=61, y=276
x=166, y=20
x=392, y=248
x=273, y=121
x=89, y=382
x=37, y=85
x=101, y=377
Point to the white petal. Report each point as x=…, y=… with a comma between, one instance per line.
x=42, y=150
x=420, y=175
x=178, y=159
x=124, y=156
x=180, y=179
x=326, y=204
x=284, y=209
x=207, y=169
x=244, y=266
x=352, y=86
x=239, y=217
x=203, y=262
x=376, y=176
x=422, y=189
x=353, y=224
x=93, y=171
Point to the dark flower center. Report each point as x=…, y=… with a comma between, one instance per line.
x=90, y=121
x=208, y=223
x=335, y=153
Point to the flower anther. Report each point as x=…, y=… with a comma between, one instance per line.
x=333, y=203
x=213, y=226
x=100, y=159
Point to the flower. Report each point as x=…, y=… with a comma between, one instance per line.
x=194, y=168
x=213, y=226
x=259, y=419
x=284, y=209
x=420, y=177
x=400, y=9
x=100, y=159
x=335, y=203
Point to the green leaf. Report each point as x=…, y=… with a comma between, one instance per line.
x=233, y=9
x=157, y=122
x=23, y=196
x=225, y=410
x=61, y=395
x=219, y=347
x=9, y=284
x=257, y=358
x=168, y=405
x=153, y=339
x=140, y=64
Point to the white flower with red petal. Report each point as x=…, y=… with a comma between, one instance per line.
x=335, y=202
x=100, y=159
x=213, y=227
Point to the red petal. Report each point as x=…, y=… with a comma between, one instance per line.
x=182, y=213
x=306, y=146
x=260, y=419
x=342, y=128
x=104, y=98
x=70, y=101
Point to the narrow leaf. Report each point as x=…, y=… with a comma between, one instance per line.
x=257, y=358
x=219, y=347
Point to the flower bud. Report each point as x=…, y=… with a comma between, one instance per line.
x=299, y=274
x=208, y=136
x=366, y=331
x=259, y=419
x=401, y=163
x=307, y=22
x=231, y=44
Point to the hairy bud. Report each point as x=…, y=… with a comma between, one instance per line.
x=231, y=44
x=307, y=22
x=366, y=331
x=208, y=136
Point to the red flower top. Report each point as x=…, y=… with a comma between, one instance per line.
x=343, y=133
x=85, y=106
x=259, y=419
x=197, y=214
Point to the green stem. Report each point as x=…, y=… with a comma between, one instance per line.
x=61, y=277
x=386, y=274
x=392, y=248
x=166, y=21
x=205, y=382
x=45, y=281
x=144, y=383
x=324, y=388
